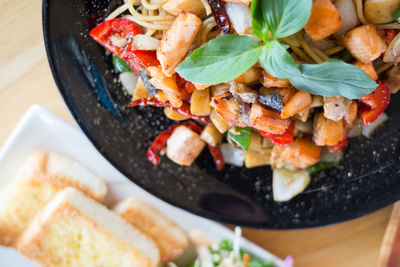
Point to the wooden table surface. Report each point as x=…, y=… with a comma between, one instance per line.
x=25, y=79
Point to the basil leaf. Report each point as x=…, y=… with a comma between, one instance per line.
x=243, y=138
x=277, y=61
x=333, y=78
x=396, y=14
x=222, y=59
x=258, y=24
x=120, y=65
x=319, y=166
x=283, y=17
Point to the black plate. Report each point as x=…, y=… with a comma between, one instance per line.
x=366, y=180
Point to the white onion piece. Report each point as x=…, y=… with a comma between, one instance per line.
x=392, y=53
x=240, y=17
x=128, y=81
x=370, y=129
x=321, y=45
x=356, y=129
x=348, y=14
x=286, y=184
x=327, y=156
x=232, y=155
x=145, y=42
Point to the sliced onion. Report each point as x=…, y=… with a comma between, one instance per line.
x=232, y=155
x=145, y=42
x=348, y=14
x=327, y=156
x=286, y=184
x=370, y=129
x=392, y=53
x=128, y=81
x=356, y=129
x=240, y=17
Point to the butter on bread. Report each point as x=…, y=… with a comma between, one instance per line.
x=41, y=176
x=74, y=230
x=170, y=238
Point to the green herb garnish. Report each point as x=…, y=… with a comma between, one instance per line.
x=225, y=58
x=241, y=136
x=120, y=65
x=319, y=166
x=396, y=14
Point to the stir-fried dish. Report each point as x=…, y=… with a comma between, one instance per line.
x=283, y=83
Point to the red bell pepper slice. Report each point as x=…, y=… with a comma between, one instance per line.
x=339, y=147
x=284, y=139
x=371, y=106
x=116, y=36
x=217, y=155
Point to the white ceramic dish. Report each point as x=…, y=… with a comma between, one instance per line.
x=41, y=129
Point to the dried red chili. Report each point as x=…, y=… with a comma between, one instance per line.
x=220, y=15
x=184, y=109
x=217, y=155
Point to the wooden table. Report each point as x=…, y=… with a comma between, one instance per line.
x=25, y=79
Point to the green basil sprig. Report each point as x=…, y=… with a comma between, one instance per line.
x=225, y=58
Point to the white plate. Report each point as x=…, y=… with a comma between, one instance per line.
x=41, y=129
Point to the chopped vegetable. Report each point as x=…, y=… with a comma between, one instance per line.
x=220, y=15
x=351, y=113
x=228, y=109
x=281, y=140
x=232, y=155
x=302, y=153
x=254, y=159
x=372, y=105
x=267, y=120
x=241, y=136
x=328, y=132
x=364, y=43
x=177, y=6
x=245, y=93
x=339, y=147
x=324, y=21
x=392, y=53
x=273, y=101
x=348, y=14
x=184, y=109
x=256, y=142
x=370, y=129
x=300, y=101
x=128, y=81
x=218, y=122
x=240, y=17
x=184, y=145
x=396, y=14
x=319, y=166
x=200, y=102
x=286, y=184
x=380, y=11
x=177, y=41
x=211, y=135
x=392, y=78
x=120, y=65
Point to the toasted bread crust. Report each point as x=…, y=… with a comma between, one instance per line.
x=170, y=238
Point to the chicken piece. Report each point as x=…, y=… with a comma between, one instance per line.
x=328, y=132
x=177, y=6
x=368, y=68
x=364, y=43
x=267, y=120
x=270, y=81
x=335, y=107
x=242, y=2
x=286, y=93
x=351, y=114
x=176, y=42
x=299, y=102
x=324, y=20
x=184, y=146
x=301, y=153
x=228, y=109
x=211, y=135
